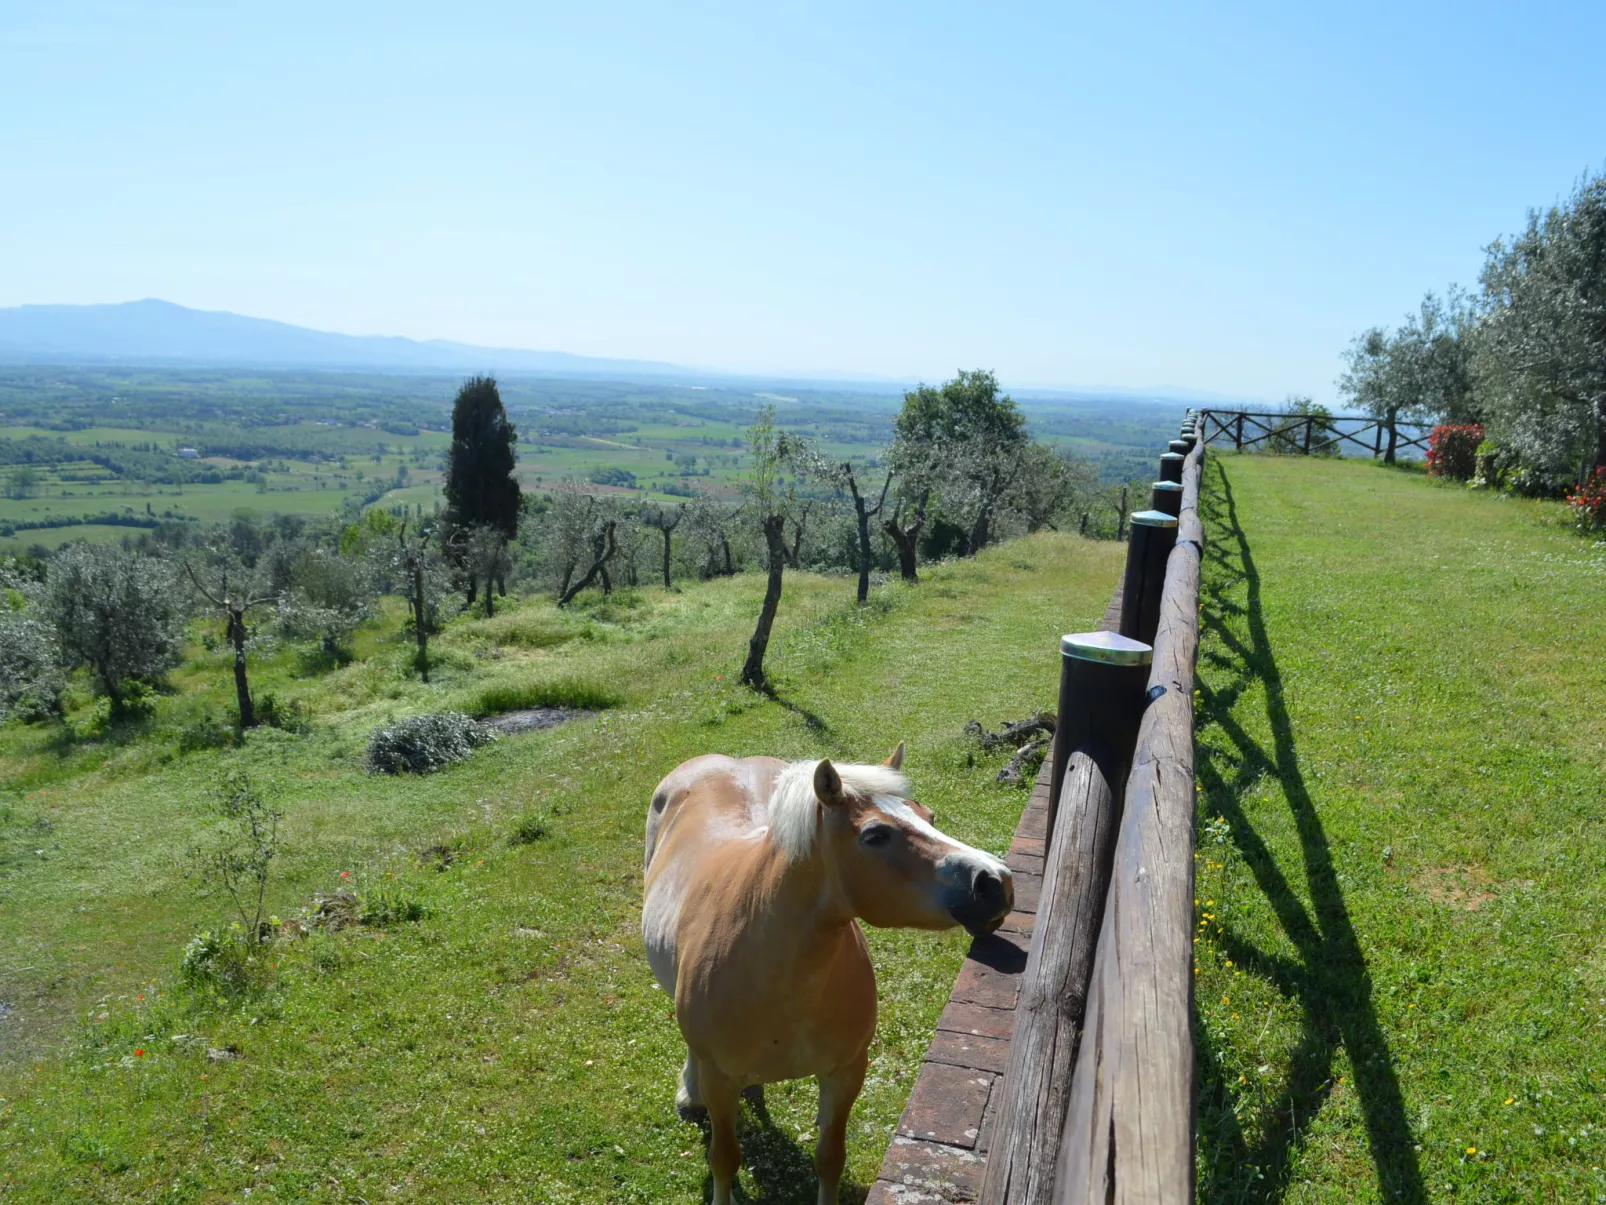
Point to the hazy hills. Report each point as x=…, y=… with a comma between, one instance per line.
x=156, y=332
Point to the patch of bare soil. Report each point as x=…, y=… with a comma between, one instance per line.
x=532, y=719
x=1464, y=888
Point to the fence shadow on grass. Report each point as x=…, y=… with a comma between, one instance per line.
x=1328, y=978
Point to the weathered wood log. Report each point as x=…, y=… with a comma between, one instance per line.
x=1128, y=1133
x=1048, y=1016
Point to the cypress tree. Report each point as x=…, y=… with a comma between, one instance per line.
x=480, y=486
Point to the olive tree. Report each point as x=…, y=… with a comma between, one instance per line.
x=967, y=441
x=863, y=512
x=1050, y=485
x=227, y=585
x=1421, y=371
x=423, y=579
x=1541, y=346
x=31, y=679
x=773, y=502
x=117, y=612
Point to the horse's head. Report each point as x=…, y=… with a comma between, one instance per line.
x=896, y=868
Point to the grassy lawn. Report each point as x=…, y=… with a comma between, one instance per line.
x=510, y=1045
x=1402, y=873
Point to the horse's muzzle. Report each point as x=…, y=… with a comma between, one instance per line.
x=988, y=901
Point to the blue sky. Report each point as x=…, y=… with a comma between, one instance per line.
x=1214, y=196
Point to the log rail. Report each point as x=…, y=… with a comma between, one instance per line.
x=1069, y=1077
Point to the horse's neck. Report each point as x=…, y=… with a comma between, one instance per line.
x=806, y=910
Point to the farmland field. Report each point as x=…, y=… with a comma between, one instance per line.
x=508, y=1045
x=86, y=444
x=1402, y=841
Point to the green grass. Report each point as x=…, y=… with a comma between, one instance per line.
x=501, y=1038
x=570, y=692
x=1402, y=873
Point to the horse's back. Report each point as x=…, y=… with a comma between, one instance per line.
x=733, y=791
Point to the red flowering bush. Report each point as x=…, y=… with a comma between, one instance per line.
x=1453, y=450
x=1588, y=503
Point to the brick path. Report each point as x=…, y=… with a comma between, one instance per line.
x=939, y=1153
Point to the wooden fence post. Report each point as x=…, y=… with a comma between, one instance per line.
x=1102, y=679
x=1167, y=498
x=1129, y=1121
x=1154, y=534
x=1308, y=423
x=1238, y=433
x=1120, y=521
x=1102, y=695
x=1171, y=466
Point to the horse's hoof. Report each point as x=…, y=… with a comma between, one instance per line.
x=687, y=1111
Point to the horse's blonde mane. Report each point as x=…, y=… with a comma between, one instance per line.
x=794, y=815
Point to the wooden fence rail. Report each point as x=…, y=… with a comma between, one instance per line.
x=1128, y=1133
x=1309, y=434
x=1097, y=1098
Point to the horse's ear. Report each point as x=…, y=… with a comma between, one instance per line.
x=827, y=783
x=895, y=758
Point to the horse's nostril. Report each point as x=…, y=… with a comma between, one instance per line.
x=986, y=885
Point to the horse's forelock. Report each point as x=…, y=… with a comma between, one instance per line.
x=793, y=816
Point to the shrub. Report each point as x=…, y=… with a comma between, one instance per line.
x=1588, y=503
x=389, y=904
x=424, y=743
x=528, y=831
x=208, y=732
x=575, y=694
x=289, y=717
x=222, y=962
x=1453, y=450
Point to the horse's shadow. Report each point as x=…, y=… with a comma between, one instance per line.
x=781, y=1169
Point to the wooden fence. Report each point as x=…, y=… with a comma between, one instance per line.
x=1311, y=434
x=1098, y=1097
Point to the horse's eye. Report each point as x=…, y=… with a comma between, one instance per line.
x=876, y=834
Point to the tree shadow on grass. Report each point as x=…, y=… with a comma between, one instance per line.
x=813, y=721
x=1328, y=978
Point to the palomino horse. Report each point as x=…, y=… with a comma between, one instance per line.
x=757, y=875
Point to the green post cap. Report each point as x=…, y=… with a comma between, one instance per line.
x=1107, y=648
x=1152, y=518
x=1174, y=487
x=1172, y=456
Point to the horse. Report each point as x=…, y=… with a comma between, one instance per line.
x=758, y=872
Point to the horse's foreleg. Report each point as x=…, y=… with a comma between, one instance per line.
x=720, y=1095
x=838, y=1091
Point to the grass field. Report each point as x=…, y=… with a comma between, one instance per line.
x=511, y=1045
x=1402, y=875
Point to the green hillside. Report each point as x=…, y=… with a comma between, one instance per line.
x=509, y=1044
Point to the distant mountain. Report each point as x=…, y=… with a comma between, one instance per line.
x=160, y=332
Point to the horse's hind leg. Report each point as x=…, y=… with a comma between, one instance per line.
x=838, y=1091
x=689, y=1093
x=724, y=1155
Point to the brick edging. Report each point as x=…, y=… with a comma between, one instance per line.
x=938, y=1154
